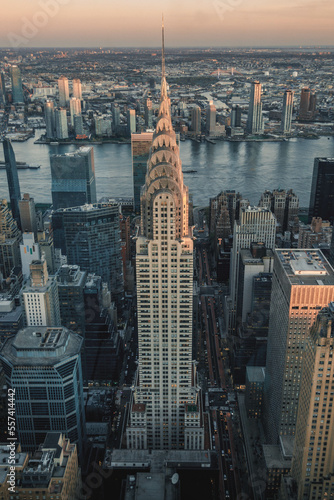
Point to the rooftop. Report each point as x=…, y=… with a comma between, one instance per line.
x=159, y=458
x=255, y=373
x=274, y=458
x=83, y=150
x=306, y=266
x=45, y=345
x=287, y=443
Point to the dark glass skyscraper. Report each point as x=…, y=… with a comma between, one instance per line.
x=44, y=367
x=322, y=190
x=10, y=238
x=17, y=88
x=73, y=178
x=71, y=283
x=90, y=237
x=13, y=180
x=2, y=88
x=102, y=346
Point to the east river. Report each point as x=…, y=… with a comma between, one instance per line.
x=247, y=167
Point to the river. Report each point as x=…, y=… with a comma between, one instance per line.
x=247, y=167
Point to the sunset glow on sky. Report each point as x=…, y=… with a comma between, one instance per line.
x=106, y=23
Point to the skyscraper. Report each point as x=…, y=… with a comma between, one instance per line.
x=307, y=107
x=103, y=345
x=40, y=296
x=229, y=199
x=322, y=190
x=287, y=112
x=29, y=251
x=77, y=92
x=17, y=88
x=140, y=146
x=236, y=116
x=75, y=108
x=210, y=126
x=2, y=88
x=71, y=283
x=196, y=120
x=28, y=214
x=73, y=178
x=303, y=283
x=78, y=125
x=255, y=225
x=116, y=118
x=255, y=117
x=131, y=123
x=61, y=123
x=304, y=103
x=284, y=204
x=165, y=392
x=312, y=464
x=148, y=112
x=90, y=237
x=49, y=115
x=13, y=180
x=51, y=471
x=64, y=93
x=10, y=238
x=331, y=251
x=44, y=368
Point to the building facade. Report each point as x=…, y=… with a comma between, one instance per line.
x=77, y=91
x=322, y=190
x=64, y=93
x=255, y=117
x=196, y=120
x=73, y=178
x=71, y=283
x=49, y=116
x=61, y=123
x=287, y=112
x=10, y=238
x=75, y=108
x=13, y=180
x=89, y=236
x=28, y=214
x=303, y=283
x=44, y=368
x=40, y=296
x=210, y=126
x=256, y=225
x=284, y=204
x=313, y=459
x=17, y=89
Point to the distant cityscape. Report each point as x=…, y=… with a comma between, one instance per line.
x=151, y=348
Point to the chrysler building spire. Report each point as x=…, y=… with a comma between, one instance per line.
x=163, y=68
x=164, y=169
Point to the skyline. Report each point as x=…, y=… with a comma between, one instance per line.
x=223, y=23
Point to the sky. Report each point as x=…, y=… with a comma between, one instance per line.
x=188, y=23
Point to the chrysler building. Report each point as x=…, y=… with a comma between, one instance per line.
x=166, y=411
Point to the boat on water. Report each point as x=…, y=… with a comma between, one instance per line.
x=189, y=171
x=20, y=165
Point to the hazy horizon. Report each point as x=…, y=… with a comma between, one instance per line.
x=220, y=23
